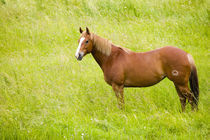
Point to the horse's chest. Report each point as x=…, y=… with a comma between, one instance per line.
x=113, y=76
x=107, y=79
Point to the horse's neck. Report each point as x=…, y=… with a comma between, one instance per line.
x=99, y=57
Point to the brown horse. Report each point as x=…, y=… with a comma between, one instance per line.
x=124, y=68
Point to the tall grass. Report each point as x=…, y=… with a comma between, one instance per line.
x=46, y=94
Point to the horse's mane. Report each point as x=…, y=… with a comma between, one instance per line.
x=103, y=45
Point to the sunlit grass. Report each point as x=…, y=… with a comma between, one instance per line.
x=46, y=94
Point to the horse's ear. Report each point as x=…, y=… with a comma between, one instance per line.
x=80, y=30
x=87, y=30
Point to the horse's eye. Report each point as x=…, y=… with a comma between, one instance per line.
x=86, y=42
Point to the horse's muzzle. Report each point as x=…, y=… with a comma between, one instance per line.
x=79, y=57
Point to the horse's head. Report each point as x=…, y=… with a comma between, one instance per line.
x=85, y=44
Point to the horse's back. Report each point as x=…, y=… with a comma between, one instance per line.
x=172, y=53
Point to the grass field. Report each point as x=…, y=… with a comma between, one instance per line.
x=45, y=93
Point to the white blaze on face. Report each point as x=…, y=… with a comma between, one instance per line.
x=80, y=43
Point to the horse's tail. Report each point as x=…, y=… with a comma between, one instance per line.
x=194, y=80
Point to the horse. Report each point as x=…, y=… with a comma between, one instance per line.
x=124, y=68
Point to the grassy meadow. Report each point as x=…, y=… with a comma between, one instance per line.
x=45, y=93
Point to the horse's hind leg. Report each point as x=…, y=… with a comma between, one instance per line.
x=184, y=92
x=182, y=98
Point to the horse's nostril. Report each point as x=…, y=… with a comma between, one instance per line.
x=79, y=57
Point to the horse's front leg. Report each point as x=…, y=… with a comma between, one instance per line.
x=118, y=89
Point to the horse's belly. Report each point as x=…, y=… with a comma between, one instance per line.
x=141, y=83
x=143, y=79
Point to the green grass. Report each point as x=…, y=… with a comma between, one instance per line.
x=45, y=93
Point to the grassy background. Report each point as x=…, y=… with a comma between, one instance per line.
x=45, y=93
